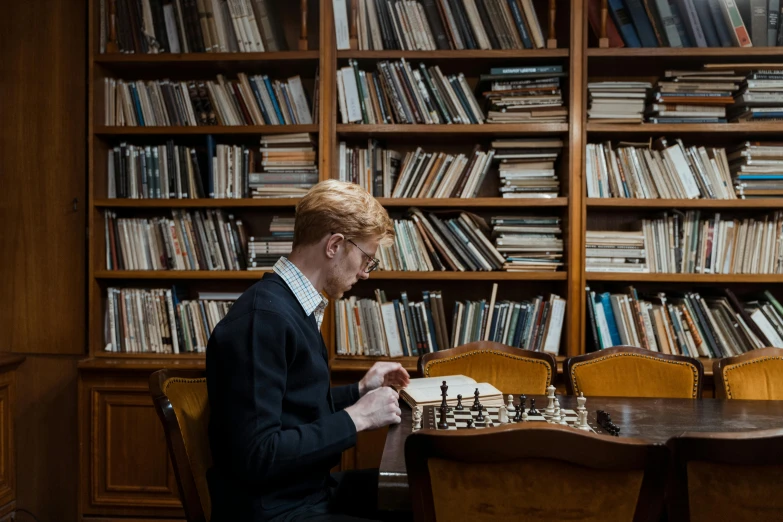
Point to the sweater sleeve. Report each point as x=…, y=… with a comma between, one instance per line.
x=345, y=396
x=260, y=448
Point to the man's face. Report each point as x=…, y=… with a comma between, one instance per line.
x=349, y=266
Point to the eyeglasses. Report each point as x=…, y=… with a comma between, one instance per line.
x=372, y=263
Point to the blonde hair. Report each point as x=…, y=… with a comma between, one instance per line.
x=338, y=207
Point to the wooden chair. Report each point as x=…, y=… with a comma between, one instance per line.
x=509, y=369
x=534, y=473
x=629, y=371
x=755, y=375
x=183, y=407
x=717, y=477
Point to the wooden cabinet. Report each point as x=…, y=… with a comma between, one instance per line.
x=124, y=461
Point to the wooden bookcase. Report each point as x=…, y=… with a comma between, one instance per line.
x=124, y=468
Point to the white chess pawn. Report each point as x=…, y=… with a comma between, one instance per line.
x=557, y=407
x=562, y=414
x=524, y=415
x=550, y=394
x=510, y=406
x=581, y=400
x=417, y=418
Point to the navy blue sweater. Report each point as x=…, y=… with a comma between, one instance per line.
x=276, y=428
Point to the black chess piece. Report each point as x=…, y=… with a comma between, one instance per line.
x=459, y=406
x=443, y=390
x=476, y=403
x=532, y=410
x=480, y=416
x=443, y=424
x=470, y=424
x=518, y=413
x=522, y=402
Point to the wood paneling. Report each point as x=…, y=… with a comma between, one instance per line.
x=42, y=164
x=125, y=467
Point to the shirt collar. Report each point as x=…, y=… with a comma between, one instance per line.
x=310, y=298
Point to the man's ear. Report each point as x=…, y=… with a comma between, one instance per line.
x=334, y=242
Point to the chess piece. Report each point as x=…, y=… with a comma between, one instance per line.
x=502, y=414
x=532, y=410
x=443, y=424
x=476, y=403
x=523, y=416
x=557, y=408
x=510, y=404
x=522, y=401
x=583, y=421
x=417, y=418
x=518, y=415
x=470, y=424
x=443, y=390
x=581, y=400
x=459, y=406
x=550, y=394
x=480, y=416
x=561, y=413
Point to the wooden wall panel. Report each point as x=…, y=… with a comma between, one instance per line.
x=42, y=173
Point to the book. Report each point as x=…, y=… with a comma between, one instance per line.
x=426, y=391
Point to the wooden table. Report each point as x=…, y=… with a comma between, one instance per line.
x=651, y=419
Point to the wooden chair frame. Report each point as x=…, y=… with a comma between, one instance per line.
x=568, y=364
x=719, y=366
x=489, y=346
x=186, y=482
x=753, y=448
x=551, y=441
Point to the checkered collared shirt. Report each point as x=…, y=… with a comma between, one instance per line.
x=310, y=299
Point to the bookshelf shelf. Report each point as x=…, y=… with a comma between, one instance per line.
x=474, y=202
x=196, y=203
x=204, y=130
x=457, y=129
x=684, y=128
x=360, y=363
x=622, y=203
x=690, y=52
x=205, y=58
x=379, y=275
x=468, y=54
x=686, y=278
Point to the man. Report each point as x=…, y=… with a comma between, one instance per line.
x=276, y=428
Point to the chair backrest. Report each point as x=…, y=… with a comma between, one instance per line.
x=183, y=407
x=509, y=369
x=534, y=472
x=734, y=477
x=755, y=375
x=629, y=371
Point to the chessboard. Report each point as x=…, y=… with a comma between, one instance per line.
x=458, y=419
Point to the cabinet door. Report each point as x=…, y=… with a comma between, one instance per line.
x=126, y=469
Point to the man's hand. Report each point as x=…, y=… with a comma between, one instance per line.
x=377, y=409
x=384, y=374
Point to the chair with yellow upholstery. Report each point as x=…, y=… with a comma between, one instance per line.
x=755, y=375
x=534, y=473
x=629, y=371
x=726, y=476
x=183, y=407
x=509, y=369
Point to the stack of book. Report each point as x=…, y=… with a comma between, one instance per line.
x=757, y=169
x=659, y=169
x=687, y=323
x=288, y=166
x=527, y=166
x=429, y=26
x=434, y=242
x=525, y=94
x=617, y=102
x=760, y=97
x=689, y=244
x=264, y=251
x=212, y=26
x=427, y=391
x=189, y=240
x=693, y=97
x=247, y=100
x=399, y=93
x=529, y=243
x=155, y=320
x=615, y=251
x=392, y=328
